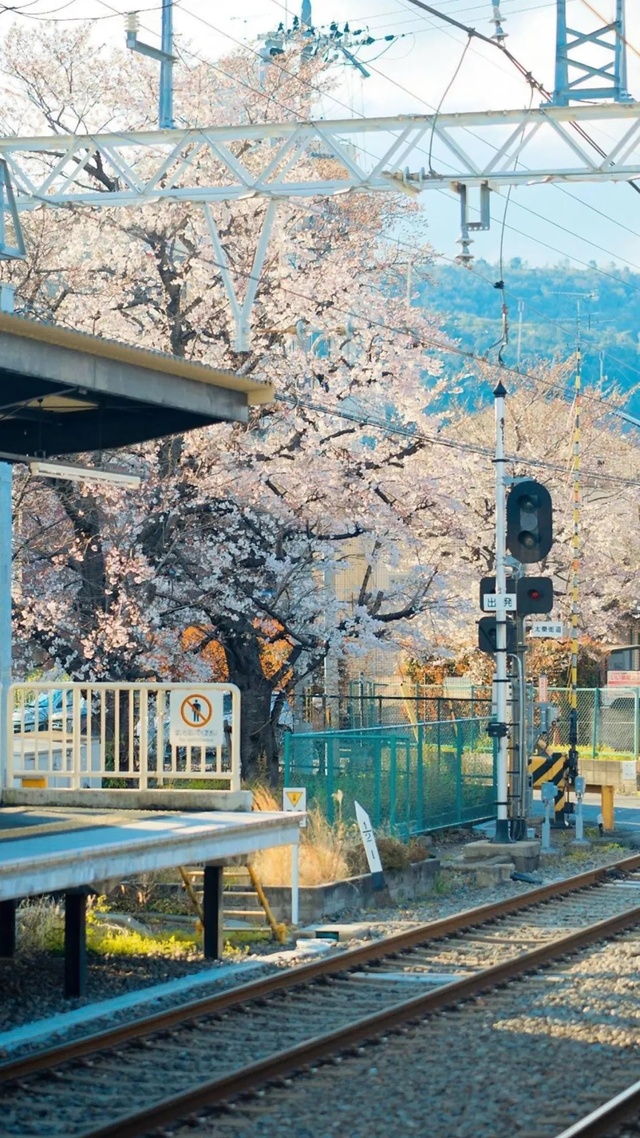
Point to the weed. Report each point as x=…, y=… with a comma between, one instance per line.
x=40, y=925
x=442, y=885
x=322, y=849
x=125, y=942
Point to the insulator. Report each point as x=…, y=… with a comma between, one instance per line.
x=132, y=23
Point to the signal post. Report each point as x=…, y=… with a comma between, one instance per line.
x=524, y=527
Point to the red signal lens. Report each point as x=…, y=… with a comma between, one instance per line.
x=535, y=594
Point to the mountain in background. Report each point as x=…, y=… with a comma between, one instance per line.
x=542, y=305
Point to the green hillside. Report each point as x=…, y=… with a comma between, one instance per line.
x=609, y=298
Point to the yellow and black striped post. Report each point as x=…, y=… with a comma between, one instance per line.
x=547, y=767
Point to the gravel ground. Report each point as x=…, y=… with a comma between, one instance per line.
x=31, y=985
x=527, y=1060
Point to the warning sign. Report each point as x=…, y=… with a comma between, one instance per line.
x=295, y=798
x=196, y=719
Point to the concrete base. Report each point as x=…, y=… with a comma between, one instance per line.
x=318, y=901
x=123, y=799
x=524, y=855
x=485, y=873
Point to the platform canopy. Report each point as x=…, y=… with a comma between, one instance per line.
x=62, y=392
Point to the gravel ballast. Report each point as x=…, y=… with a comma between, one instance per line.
x=31, y=985
x=527, y=1060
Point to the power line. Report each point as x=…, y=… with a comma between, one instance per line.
x=440, y=346
x=447, y=442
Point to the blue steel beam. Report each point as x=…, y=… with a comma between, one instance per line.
x=590, y=65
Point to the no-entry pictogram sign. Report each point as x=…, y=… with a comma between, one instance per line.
x=196, y=710
x=196, y=718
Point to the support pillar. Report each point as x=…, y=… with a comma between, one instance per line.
x=212, y=912
x=75, y=943
x=8, y=927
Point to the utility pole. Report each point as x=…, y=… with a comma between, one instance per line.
x=164, y=55
x=572, y=757
x=165, y=109
x=501, y=680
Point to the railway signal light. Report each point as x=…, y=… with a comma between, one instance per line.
x=487, y=635
x=534, y=595
x=529, y=521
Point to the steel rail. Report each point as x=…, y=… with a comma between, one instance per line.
x=248, y=1080
x=113, y=1037
x=623, y=1108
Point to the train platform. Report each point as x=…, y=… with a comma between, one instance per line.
x=75, y=851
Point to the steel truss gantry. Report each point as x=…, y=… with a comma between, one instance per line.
x=412, y=153
x=591, y=64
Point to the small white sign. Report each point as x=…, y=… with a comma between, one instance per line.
x=368, y=839
x=543, y=688
x=295, y=798
x=547, y=628
x=196, y=719
x=490, y=602
x=628, y=770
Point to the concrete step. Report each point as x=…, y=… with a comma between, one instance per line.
x=249, y=916
x=243, y=899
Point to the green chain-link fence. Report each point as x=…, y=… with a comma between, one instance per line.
x=411, y=778
x=364, y=707
x=608, y=720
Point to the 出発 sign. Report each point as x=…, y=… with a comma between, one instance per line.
x=196, y=718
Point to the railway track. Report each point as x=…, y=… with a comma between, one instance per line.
x=142, y=1076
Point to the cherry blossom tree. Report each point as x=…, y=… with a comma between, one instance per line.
x=239, y=527
x=539, y=436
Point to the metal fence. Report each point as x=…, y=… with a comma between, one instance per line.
x=363, y=707
x=608, y=718
x=105, y=735
x=411, y=778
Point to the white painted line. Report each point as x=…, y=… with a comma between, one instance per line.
x=63, y=1021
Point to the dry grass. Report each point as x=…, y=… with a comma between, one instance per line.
x=322, y=849
x=40, y=925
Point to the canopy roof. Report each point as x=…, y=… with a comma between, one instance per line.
x=62, y=391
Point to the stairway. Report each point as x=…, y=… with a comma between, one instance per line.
x=241, y=906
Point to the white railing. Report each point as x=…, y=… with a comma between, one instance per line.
x=133, y=735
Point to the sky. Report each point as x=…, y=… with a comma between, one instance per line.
x=411, y=74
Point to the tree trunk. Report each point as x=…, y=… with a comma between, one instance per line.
x=258, y=742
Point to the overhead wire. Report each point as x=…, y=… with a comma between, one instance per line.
x=426, y=341
x=47, y=16
x=306, y=82
x=516, y=204
x=448, y=348
x=447, y=442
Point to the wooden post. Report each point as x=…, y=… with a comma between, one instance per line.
x=8, y=927
x=212, y=910
x=75, y=943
